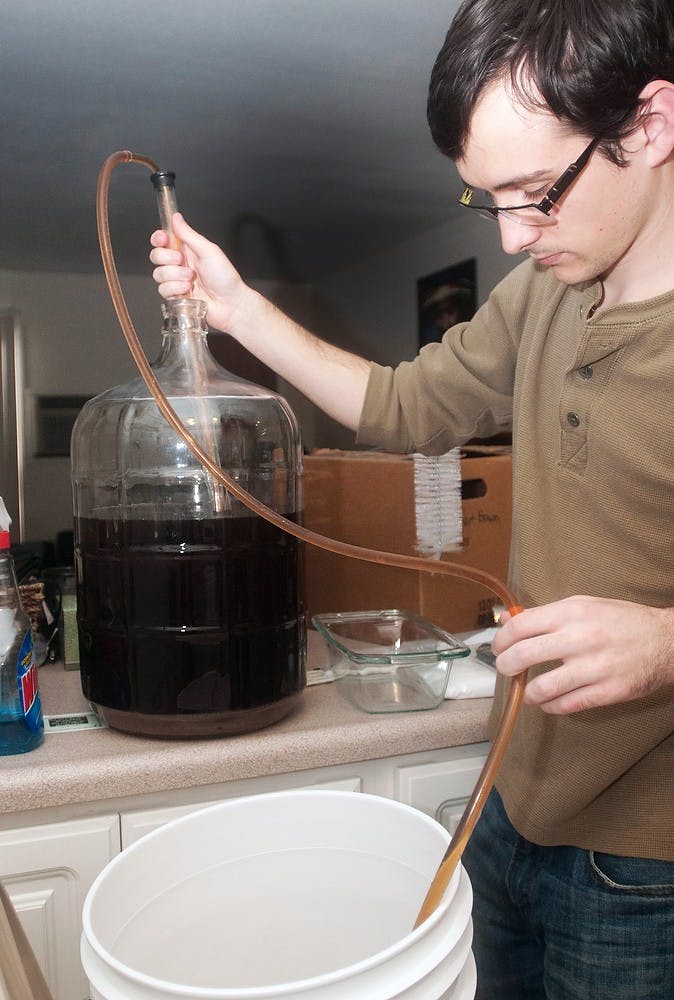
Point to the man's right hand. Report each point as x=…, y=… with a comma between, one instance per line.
x=201, y=271
x=333, y=379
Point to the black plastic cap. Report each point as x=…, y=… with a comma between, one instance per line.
x=163, y=179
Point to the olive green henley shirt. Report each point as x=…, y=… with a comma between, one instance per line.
x=589, y=397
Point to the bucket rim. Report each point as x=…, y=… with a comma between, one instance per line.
x=291, y=987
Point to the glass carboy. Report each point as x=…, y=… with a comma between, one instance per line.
x=190, y=610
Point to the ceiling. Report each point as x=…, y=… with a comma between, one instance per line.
x=296, y=128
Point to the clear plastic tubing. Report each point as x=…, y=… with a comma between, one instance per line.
x=516, y=689
x=167, y=206
x=163, y=182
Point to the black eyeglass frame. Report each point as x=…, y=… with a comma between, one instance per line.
x=549, y=199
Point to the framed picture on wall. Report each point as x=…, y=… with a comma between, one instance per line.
x=445, y=298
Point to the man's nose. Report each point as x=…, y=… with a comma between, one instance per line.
x=515, y=237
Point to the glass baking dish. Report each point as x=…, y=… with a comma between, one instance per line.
x=388, y=661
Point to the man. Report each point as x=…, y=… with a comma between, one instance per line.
x=559, y=115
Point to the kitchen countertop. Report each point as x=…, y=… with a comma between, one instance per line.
x=91, y=765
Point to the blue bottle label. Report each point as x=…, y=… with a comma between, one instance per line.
x=29, y=696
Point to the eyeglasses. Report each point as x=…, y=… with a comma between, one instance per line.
x=533, y=214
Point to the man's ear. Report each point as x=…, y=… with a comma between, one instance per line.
x=658, y=120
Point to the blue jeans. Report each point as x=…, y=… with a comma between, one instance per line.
x=559, y=923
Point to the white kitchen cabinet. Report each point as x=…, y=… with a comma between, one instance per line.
x=47, y=871
x=441, y=787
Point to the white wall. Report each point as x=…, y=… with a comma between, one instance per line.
x=372, y=308
x=73, y=344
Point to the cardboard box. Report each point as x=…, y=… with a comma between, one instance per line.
x=368, y=499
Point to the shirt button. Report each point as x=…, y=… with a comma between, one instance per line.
x=586, y=372
x=573, y=419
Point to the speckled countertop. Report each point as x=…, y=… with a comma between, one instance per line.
x=94, y=764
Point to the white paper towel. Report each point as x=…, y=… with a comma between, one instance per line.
x=470, y=677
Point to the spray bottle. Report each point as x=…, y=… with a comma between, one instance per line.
x=21, y=723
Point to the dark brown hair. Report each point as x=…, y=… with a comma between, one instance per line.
x=585, y=60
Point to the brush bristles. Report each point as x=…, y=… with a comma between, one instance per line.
x=437, y=500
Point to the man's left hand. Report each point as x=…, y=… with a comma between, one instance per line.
x=607, y=651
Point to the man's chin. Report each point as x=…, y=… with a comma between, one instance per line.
x=565, y=268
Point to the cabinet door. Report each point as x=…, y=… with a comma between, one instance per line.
x=442, y=788
x=135, y=825
x=47, y=871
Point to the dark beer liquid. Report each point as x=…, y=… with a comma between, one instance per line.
x=193, y=616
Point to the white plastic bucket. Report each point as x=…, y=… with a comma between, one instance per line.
x=308, y=894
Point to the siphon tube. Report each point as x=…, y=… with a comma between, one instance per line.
x=517, y=684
